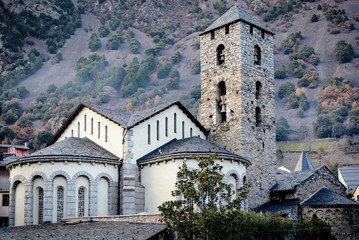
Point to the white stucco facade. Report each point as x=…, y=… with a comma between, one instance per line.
x=159, y=179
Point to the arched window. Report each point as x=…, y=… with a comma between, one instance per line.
x=258, y=89
x=81, y=202
x=221, y=55
x=60, y=204
x=41, y=206
x=257, y=55
x=258, y=117
x=221, y=106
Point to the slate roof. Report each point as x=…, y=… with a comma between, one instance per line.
x=124, y=119
x=8, y=160
x=187, y=147
x=326, y=197
x=87, y=230
x=74, y=147
x=303, y=163
x=14, y=146
x=350, y=176
x=234, y=14
x=276, y=207
x=289, y=181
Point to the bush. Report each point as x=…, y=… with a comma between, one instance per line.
x=135, y=46
x=323, y=126
x=10, y=117
x=286, y=89
x=114, y=42
x=103, y=98
x=220, y=6
x=280, y=73
x=314, y=18
x=103, y=31
x=196, y=67
x=6, y=132
x=163, y=70
x=95, y=43
x=296, y=69
x=173, y=81
x=176, y=58
x=345, y=52
x=314, y=228
x=282, y=129
x=43, y=138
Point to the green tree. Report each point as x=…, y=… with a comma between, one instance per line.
x=345, y=52
x=282, y=129
x=103, y=31
x=314, y=228
x=314, y=18
x=196, y=67
x=280, y=73
x=220, y=6
x=173, y=81
x=95, y=42
x=43, y=138
x=163, y=70
x=286, y=89
x=210, y=211
x=135, y=46
x=176, y=58
x=323, y=126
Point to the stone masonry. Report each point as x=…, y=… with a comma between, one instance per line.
x=241, y=133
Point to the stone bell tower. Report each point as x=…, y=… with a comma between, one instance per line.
x=237, y=86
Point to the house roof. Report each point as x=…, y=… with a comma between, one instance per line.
x=8, y=160
x=71, y=149
x=234, y=14
x=285, y=207
x=186, y=147
x=289, y=181
x=124, y=119
x=303, y=163
x=86, y=230
x=326, y=197
x=350, y=176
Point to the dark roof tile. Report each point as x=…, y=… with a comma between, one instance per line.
x=326, y=197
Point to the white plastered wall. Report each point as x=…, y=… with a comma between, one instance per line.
x=159, y=180
x=114, y=131
x=140, y=131
x=38, y=183
x=102, y=197
x=19, y=204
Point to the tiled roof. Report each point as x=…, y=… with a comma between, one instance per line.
x=326, y=197
x=87, y=230
x=351, y=176
x=289, y=181
x=303, y=163
x=13, y=146
x=233, y=14
x=276, y=207
x=8, y=160
x=74, y=147
x=187, y=147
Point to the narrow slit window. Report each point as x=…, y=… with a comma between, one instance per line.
x=166, y=127
x=78, y=129
x=227, y=29
x=190, y=132
x=182, y=129
x=149, y=134
x=251, y=29
x=98, y=130
x=85, y=122
x=263, y=34
x=258, y=89
x=221, y=103
x=41, y=206
x=158, y=130
x=258, y=117
x=60, y=204
x=175, y=123
x=106, y=134
x=91, y=126
x=221, y=54
x=72, y=133
x=212, y=35
x=257, y=55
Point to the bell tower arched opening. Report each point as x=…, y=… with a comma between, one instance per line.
x=221, y=55
x=258, y=89
x=221, y=106
x=257, y=55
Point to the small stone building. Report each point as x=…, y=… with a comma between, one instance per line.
x=337, y=210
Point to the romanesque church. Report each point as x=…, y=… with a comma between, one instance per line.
x=103, y=162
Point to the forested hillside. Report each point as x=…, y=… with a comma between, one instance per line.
x=134, y=54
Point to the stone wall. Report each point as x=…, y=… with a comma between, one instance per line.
x=240, y=133
x=344, y=221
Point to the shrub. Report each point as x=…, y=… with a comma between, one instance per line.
x=163, y=70
x=95, y=43
x=103, y=31
x=282, y=129
x=42, y=138
x=10, y=117
x=114, y=42
x=6, y=132
x=176, y=58
x=135, y=46
x=345, y=52
x=280, y=73
x=196, y=67
x=315, y=18
x=322, y=126
x=103, y=98
x=286, y=89
x=314, y=228
x=173, y=81
x=220, y=6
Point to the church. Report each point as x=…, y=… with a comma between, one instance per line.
x=103, y=162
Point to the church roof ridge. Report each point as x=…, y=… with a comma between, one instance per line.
x=234, y=14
